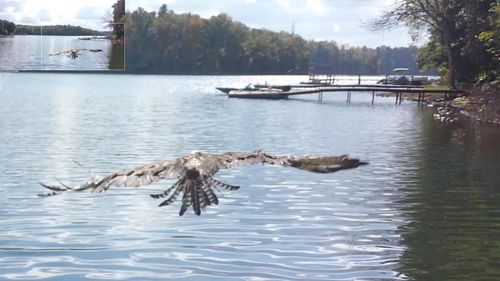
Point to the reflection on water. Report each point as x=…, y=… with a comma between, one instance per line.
x=426, y=208
x=31, y=52
x=451, y=204
x=116, y=57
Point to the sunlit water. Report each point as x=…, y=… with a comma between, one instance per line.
x=426, y=208
x=33, y=52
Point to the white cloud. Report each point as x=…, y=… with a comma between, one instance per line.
x=86, y=13
x=44, y=15
x=283, y=3
x=317, y=7
x=336, y=28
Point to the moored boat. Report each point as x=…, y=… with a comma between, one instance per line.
x=258, y=87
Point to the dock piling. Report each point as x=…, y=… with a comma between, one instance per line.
x=320, y=96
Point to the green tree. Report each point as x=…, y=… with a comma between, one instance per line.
x=119, y=20
x=454, y=27
x=491, y=40
x=7, y=27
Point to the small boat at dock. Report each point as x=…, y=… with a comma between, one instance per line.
x=257, y=93
x=273, y=94
x=252, y=87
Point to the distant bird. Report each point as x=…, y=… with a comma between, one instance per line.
x=74, y=53
x=194, y=174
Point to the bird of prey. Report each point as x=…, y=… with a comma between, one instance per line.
x=74, y=53
x=194, y=174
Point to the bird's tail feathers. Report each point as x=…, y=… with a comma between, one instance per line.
x=209, y=193
x=198, y=193
x=186, y=198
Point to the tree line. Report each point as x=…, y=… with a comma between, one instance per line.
x=166, y=42
x=7, y=27
x=63, y=30
x=464, y=39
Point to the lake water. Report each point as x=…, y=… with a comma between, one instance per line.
x=31, y=52
x=426, y=208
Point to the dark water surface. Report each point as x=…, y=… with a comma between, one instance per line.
x=426, y=208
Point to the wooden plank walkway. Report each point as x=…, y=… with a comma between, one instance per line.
x=398, y=91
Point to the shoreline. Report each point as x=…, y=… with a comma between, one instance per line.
x=477, y=106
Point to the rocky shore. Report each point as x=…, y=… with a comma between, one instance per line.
x=479, y=106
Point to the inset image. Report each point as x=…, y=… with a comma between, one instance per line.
x=56, y=35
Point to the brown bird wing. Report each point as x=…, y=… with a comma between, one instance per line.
x=142, y=175
x=63, y=52
x=321, y=164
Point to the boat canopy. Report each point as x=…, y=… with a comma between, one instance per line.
x=400, y=69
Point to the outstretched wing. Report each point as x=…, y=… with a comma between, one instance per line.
x=60, y=53
x=321, y=164
x=138, y=176
x=142, y=175
x=76, y=51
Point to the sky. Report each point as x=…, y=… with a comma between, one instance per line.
x=333, y=20
x=86, y=13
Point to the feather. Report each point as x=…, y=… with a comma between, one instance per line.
x=165, y=193
x=186, y=198
x=172, y=197
x=195, y=199
x=53, y=187
x=203, y=198
x=224, y=185
x=211, y=196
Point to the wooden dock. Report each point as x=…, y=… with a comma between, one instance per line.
x=398, y=91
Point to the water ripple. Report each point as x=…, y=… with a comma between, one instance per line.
x=283, y=224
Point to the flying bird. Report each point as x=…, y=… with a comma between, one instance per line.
x=194, y=174
x=74, y=53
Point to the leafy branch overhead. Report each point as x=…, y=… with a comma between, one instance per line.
x=463, y=35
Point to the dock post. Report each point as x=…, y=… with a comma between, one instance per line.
x=359, y=79
x=397, y=96
x=320, y=96
x=373, y=97
x=400, y=97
